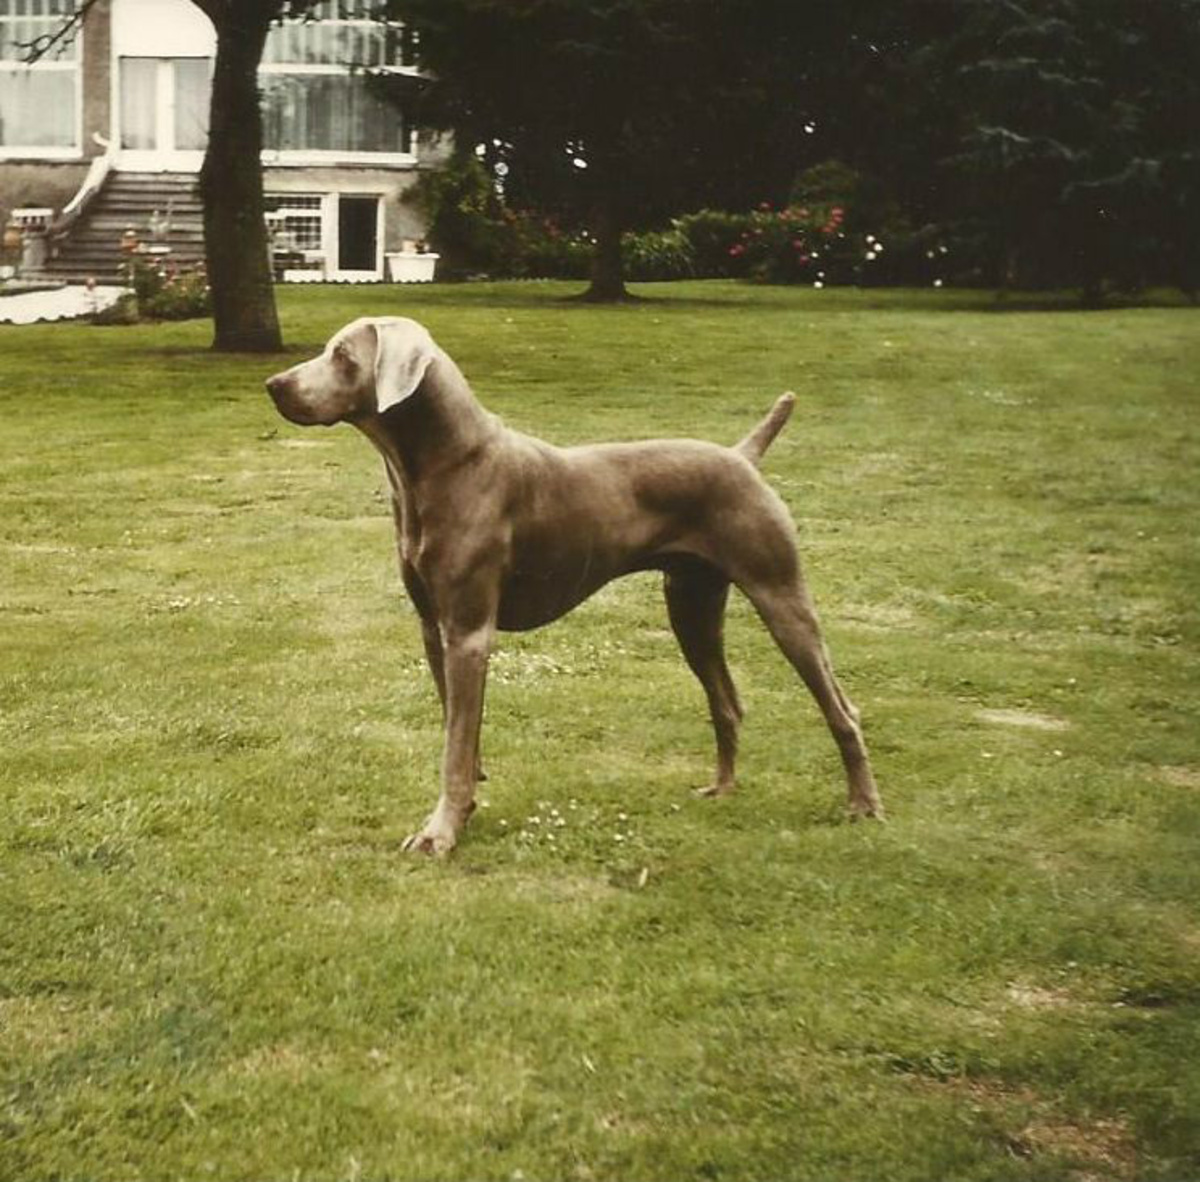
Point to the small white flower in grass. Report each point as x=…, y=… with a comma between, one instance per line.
x=535, y=820
x=870, y=256
x=988, y=755
x=618, y=837
x=937, y=283
x=818, y=284
x=503, y=823
x=622, y=817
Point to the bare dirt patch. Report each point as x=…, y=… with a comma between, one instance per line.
x=1181, y=777
x=879, y=617
x=1103, y=1148
x=1036, y=997
x=1099, y=1148
x=1029, y=719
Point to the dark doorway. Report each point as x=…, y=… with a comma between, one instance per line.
x=357, y=233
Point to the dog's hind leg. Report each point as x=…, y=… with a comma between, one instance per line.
x=787, y=611
x=696, y=596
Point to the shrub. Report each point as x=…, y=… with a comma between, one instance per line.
x=798, y=245
x=658, y=255
x=711, y=234
x=122, y=311
x=163, y=292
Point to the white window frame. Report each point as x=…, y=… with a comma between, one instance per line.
x=312, y=157
x=329, y=248
x=74, y=63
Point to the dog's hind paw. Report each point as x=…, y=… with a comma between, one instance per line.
x=713, y=790
x=867, y=810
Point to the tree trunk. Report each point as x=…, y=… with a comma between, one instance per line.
x=235, y=234
x=608, y=271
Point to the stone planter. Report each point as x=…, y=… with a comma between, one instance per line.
x=410, y=267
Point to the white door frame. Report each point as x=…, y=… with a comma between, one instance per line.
x=332, y=222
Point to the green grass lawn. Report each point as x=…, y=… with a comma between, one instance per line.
x=216, y=727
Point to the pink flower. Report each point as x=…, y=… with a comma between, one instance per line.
x=737, y=249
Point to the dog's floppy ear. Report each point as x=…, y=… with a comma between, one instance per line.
x=403, y=352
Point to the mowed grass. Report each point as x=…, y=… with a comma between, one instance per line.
x=216, y=728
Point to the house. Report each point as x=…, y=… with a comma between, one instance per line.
x=106, y=137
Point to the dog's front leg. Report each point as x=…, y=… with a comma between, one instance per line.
x=465, y=660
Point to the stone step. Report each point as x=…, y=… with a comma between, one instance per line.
x=92, y=248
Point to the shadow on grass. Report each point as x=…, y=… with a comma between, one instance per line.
x=734, y=295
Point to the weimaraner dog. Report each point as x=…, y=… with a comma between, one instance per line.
x=498, y=530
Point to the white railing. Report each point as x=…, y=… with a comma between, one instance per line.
x=97, y=174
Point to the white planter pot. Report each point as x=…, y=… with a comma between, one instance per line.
x=408, y=267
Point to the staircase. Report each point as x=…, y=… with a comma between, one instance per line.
x=91, y=246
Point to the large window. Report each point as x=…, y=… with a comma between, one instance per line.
x=316, y=92
x=39, y=104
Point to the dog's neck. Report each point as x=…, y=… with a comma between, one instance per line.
x=440, y=426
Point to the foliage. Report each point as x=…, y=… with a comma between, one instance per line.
x=656, y=255
x=1075, y=131
x=122, y=312
x=217, y=726
x=464, y=217
x=713, y=235
x=477, y=234
x=588, y=112
x=161, y=291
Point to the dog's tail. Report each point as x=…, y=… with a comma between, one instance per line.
x=757, y=442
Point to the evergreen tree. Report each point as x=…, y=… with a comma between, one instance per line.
x=613, y=114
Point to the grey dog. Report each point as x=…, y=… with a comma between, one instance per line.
x=498, y=530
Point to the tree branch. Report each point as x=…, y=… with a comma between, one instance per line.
x=62, y=38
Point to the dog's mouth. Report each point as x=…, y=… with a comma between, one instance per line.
x=283, y=393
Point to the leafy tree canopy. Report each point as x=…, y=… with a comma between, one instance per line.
x=617, y=113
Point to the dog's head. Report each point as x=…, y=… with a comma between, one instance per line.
x=367, y=367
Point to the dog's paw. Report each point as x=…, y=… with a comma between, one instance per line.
x=436, y=842
x=713, y=791
x=870, y=809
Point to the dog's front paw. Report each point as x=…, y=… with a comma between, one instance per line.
x=439, y=835
x=437, y=842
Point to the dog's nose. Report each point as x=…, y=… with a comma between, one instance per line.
x=276, y=384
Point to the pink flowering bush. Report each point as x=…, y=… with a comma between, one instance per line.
x=163, y=291
x=798, y=244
